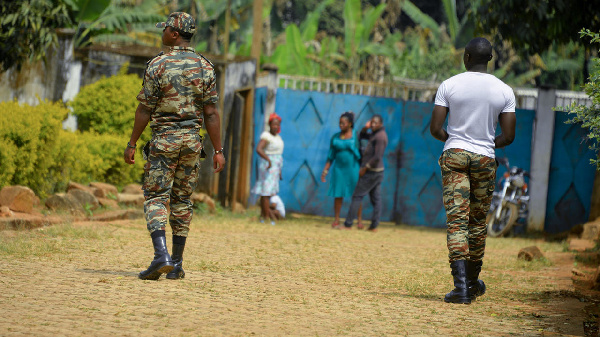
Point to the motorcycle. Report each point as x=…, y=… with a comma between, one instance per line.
x=510, y=204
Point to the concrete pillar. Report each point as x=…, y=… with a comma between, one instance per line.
x=541, y=154
x=271, y=81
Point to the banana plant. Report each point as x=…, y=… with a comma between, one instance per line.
x=298, y=55
x=357, y=33
x=115, y=20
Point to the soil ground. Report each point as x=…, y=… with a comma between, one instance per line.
x=297, y=278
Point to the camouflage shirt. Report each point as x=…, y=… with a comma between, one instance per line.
x=176, y=87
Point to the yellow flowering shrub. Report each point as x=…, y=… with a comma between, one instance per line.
x=36, y=152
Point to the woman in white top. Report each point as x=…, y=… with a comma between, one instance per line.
x=270, y=149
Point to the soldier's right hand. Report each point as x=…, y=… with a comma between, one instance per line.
x=129, y=155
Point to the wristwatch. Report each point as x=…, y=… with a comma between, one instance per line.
x=219, y=151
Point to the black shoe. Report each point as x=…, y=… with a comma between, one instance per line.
x=162, y=262
x=177, y=256
x=475, y=286
x=460, y=292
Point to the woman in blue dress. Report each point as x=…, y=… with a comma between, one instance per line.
x=344, y=152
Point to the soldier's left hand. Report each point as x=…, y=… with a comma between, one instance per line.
x=218, y=162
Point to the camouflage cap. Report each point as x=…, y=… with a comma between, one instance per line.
x=180, y=21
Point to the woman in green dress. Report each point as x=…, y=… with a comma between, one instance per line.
x=344, y=152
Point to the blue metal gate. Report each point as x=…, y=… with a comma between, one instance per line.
x=571, y=177
x=412, y=191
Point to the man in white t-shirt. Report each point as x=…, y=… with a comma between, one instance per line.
x=474, y=102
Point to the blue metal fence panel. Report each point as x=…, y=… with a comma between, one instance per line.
x=412, y=189
x=309, y=121
x=419, y=200
x=571, y=177
x=519, y=152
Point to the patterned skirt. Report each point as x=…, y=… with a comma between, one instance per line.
x=268, y=179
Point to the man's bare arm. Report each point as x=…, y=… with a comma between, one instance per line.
x=436, y=127
x=213, y=127
x=142, y=117
x=508, y=122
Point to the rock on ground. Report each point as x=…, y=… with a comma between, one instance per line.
x=530, y=253
x=18, y=198
x=132, y=189
x=5, y=212
x=64, y=202
x=85, y=199
x=131, y=199
x=204, y=198
x=591, y=230
x=76, y=186
x=104, y=190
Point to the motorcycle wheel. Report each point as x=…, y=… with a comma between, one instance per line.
x=501, y=226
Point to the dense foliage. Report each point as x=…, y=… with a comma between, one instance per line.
x=108, y=105
x=38, y=153
x=35, y=152
x=28, y=29
x=534, y=26
x=589, y=116
x=370, y=40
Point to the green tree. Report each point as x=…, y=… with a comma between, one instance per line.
x=119, y=21
x=28, y=29
x=589, y=116
x=532, y=27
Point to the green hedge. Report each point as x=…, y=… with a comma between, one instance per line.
x=108, y=106
x=35, y=151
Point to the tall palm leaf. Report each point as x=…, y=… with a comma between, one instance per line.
x=115, y=18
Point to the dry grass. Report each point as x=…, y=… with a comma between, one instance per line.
x=296, y=278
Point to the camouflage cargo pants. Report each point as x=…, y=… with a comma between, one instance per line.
x=170, y=177
x=468, y=181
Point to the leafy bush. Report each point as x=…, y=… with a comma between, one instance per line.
x=107, y=151
x=88, y=156
x=108, y=106
x=38, y=153
x=29, y=135
x=589, y=116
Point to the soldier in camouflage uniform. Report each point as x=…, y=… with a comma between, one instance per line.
x=474, y=102
x=178, y=95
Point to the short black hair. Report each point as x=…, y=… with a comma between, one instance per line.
x=186, y=36
x=480, y=50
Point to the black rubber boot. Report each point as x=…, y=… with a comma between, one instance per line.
x=177, y=256
x=476, y=287
x=460, y=293
x=162, y=260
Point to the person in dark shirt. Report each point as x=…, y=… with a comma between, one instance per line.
x=370, y=173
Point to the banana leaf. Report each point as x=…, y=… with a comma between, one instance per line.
x=90, y=10
x=311, y=24
x=421, y=18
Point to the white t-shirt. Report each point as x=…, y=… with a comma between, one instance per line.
x=475, y=100
x=274, y=143
x=278, y=204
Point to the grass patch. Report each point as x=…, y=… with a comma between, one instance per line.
x=48, y=241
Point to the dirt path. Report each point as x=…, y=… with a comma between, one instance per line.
x=296, y=278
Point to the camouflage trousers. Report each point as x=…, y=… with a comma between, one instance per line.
x=468, y=181
x=170, y=177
